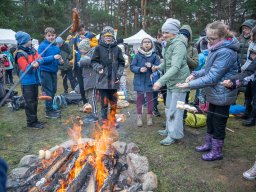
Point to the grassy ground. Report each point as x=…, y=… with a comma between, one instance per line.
x=178, y=167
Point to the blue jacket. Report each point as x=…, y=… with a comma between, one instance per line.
x=49, y=64
x=143, y=81
x=202, y=57
x=24, y=57
x=221, y=65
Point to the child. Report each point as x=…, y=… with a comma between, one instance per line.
x=48, y=69
x=25, y=57
x=108, y=62
x=89, y=76
x=9, y=68
x=141, y=66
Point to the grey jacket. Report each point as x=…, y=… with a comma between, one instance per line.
x=221, y=65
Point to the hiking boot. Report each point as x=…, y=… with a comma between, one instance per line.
x=163, y=132
x=207, y=144
x=139, y=120
x=156, y=112
x=249, y=122
x=52, y=115
x=36, y=125
x=251, y=173
x=167, y=141
x=216, y=151
x=149, y=120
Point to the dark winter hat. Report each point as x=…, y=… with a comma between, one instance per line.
x=171, y=26
x=22, y=37
x=4, y=48
x=185, y=32
x=108, y=31
x=248, y=23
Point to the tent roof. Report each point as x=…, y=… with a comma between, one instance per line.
x=7, y=36
x=137, y=38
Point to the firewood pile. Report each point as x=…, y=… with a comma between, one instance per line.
x=100, y=164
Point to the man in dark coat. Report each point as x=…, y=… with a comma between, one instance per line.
x=108, y=62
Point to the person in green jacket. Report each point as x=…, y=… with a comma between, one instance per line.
x=175, y=69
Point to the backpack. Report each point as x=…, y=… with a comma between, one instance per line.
x=72, y=98
x=18, y=102
x=58, y=102
x=195, y=120
x=7, y=62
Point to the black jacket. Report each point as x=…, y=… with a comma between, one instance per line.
x=108, y=57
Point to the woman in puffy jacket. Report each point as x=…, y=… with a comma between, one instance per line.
x=221, y=64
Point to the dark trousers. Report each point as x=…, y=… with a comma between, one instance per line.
x=30, y=94
x=250, y=99
x=155, y=99
x=68, y=75
x=140, y=102
x=49, y=86
x=108, y=96
x=8, y=76
x=217, y=117
x=79, y=77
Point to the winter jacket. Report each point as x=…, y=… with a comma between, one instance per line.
x=202, y=57
x=252, y=46
x=175, y=66
x=192, y=54
x=66, y=55
x=158, y=49
x=143, y=81
x=221, y=65
x=244, y=42
x=11, y=60
x=49, y=64
x=24, y=61
x=108, y=57
x=3, y=175
x=88, y=73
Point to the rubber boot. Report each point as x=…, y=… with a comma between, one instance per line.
x=149, y=120
x=207, y=146
x=139, y=120
x=216, y=151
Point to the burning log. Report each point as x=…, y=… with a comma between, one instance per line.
x=82, y=178
x=52, y=169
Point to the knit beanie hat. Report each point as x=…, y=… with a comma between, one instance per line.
x=108, y=31
x=22, y=37
x=84, y=45
x=171, y=26
x=59, y=40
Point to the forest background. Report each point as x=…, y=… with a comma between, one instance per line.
x=128, y=16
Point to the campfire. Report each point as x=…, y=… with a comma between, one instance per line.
x=97, y=164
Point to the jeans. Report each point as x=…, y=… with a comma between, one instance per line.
x=49, y=86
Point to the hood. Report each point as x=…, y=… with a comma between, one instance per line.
x=188, y=28
x=180, y=38
x=231, y=44
x=103, y=43
x=248, y=23
x=146, y=54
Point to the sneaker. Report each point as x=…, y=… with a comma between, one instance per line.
x=163, y=132
x=52, y=115
x=167, y=141
x=156, y=112
x=36, y=125
x=251, y=173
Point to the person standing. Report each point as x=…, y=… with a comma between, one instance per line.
x=66, y=68
x=175, y=69
x=48, y=69
x=221, y=64
x=9, y=68
x=142, y=66
x=108, y=62
x=28, y=61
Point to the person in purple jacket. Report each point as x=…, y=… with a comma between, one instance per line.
x=49, y=68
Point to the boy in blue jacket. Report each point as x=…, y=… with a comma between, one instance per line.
x=49, y=68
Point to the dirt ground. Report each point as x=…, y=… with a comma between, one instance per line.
x=178, y=167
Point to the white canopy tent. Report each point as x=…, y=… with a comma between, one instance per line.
x=7, y=36
x=137, y=38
